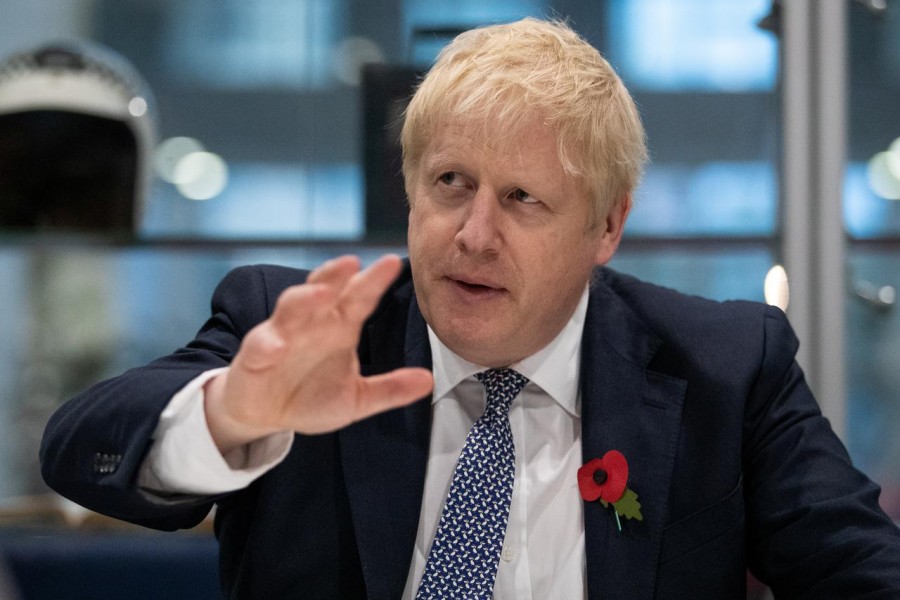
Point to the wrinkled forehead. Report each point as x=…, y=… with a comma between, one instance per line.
x=526, y=137
x=488, y=134
x=496, y=134
x=528, y=152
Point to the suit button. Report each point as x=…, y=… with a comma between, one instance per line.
x=106, y=463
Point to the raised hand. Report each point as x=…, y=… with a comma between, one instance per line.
x=298, y=370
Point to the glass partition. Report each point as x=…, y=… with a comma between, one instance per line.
x=872, y=220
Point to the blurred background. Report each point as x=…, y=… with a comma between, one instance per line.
x=234, y=132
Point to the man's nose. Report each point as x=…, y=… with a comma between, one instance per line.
x=479, y=231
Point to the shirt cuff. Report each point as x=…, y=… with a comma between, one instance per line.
x=184, y=458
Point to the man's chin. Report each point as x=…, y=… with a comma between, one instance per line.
x=479, y=346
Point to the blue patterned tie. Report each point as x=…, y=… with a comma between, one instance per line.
x=466, y=549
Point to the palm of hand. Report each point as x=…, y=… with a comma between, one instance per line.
x=299, y=371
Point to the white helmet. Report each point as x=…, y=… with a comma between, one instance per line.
x=77, y=130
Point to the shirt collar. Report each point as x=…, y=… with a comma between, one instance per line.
x=555, y=368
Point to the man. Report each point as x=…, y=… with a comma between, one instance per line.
x=302, y=408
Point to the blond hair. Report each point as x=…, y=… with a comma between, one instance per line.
x=497, y=77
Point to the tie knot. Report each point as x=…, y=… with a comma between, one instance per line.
x=502, y=385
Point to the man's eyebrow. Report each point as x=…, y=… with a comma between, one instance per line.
x=441, y=157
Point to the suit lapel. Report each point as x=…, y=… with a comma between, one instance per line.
x=384, y=457
x=629, y=408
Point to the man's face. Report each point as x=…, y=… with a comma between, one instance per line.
x=498, y=242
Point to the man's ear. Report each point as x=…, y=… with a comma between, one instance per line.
x=612, y=228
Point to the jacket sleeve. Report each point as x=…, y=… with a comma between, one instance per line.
x=814, y=527
x=94, y=444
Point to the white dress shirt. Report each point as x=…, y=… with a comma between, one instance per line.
x=543, y=553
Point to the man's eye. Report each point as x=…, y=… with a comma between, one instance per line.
x=451, y=178
x=522, y=196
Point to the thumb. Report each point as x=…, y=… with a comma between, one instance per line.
x=397, y=388
x=261, y=348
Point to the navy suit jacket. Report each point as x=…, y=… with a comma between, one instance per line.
x=734, y=465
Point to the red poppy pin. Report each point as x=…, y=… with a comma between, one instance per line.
x=606, y=479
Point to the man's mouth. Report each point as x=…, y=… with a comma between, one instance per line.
x=475, y=286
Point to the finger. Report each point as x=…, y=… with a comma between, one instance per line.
x=393, y=390
x=361, y=294
x=336, y=271
x=299, y=305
